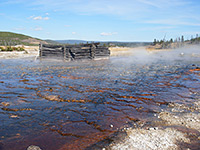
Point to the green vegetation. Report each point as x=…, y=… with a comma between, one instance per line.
x=195, y=40
x=12, y=39
x=176, y=43
x=10, y=49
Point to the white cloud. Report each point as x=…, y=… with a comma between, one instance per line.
x=73, y=33
x=67, y=26
x=38, y=29
x=108, y=33
x=174, y=22
x=20, y=28
x=161, y=4
x=39, y=18
x=47, y=14
x=45, y=18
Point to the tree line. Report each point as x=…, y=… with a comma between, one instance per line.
x=177, y=42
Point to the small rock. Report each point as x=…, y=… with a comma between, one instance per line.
x=153, y=128
x=111, y=126
x=150, y=128
x=33, y=147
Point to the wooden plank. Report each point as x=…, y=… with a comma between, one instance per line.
x=81, y=55
x=85, y=48
x=52, y=49
x=82, y=58
x=52, y=52
x=52, y=46
x=102, y=55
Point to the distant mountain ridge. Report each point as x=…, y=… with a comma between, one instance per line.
x=12, y=39
x=72, y=41
x=109, y=43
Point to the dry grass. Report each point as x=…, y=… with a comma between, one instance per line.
x=123, y=51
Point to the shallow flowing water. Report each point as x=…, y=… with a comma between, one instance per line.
x=72, y=105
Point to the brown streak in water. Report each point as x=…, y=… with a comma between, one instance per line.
x=148, y=94
x=96, y=126
x=15, y=109
x=126, y=83
x=124, y=101
x=66, y=134
x=132, y=119
x=24, y=80
x=75, y=89
x=28, y=88
x=94, y=90
x=130, y=105
x=114, y=109
x=192, y=70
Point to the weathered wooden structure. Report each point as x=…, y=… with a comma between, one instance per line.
x=74, y=52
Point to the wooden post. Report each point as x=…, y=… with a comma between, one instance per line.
x=92, y=51
x=64, y=52
x=67, y=54
x=40, y=49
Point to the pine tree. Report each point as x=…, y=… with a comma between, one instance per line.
x=182, y=38
x=154, y=42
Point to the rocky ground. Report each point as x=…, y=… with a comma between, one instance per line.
x=177, y=127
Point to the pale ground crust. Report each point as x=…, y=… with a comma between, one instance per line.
x=176, y=128
x=30, y=51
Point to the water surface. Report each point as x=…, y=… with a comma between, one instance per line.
x=71, y=105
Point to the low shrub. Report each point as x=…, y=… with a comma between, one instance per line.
x=10, y=49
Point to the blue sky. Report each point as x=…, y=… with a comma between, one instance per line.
x=101, y=20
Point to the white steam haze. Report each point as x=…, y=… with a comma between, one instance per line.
x=142, y=56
